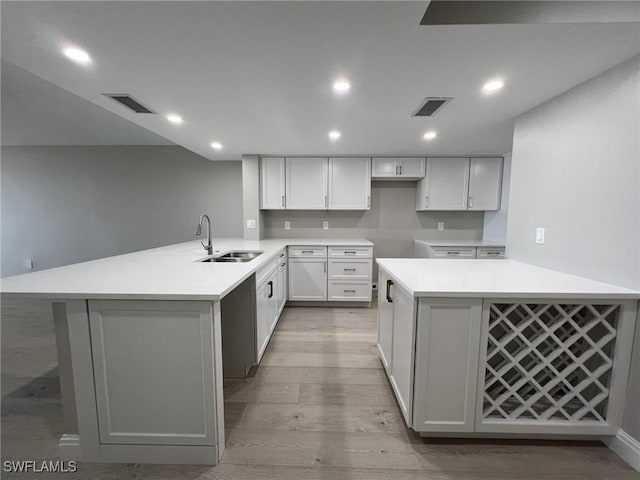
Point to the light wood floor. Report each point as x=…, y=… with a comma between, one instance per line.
x=319, y=407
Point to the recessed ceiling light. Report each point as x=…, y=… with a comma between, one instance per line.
x=493, y=85
x=430, y=135
x=77, y=55
x=334, y=135
x=216, y=145
x=341, y=86
x=173, y=118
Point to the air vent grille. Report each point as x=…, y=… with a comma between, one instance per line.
x=128, y=101
x=430, y=106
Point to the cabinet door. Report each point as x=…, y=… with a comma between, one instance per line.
x=383, y=167
x=306, y=183
x=447, y=349
x=308, y=279
x=411, y=168
x=447, y=184
x=272, y=183
x=385, y=320
x=403, y=347
x=282, y=284
x=262, y=319
x=349, y=183
x=153, y=365
x=485, y=183
x=273, y=284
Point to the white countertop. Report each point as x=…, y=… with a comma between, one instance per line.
x=461, y=243
x=167, y=273
x=494, y=278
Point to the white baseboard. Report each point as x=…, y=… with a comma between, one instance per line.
x=69, y=447
x=626, y=447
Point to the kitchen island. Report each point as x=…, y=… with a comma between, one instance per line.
x=490, y=348
x=139, y=340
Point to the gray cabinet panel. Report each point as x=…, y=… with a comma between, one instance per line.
x=485, y=181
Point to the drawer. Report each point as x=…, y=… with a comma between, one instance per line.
x=358, y=252
x=453, y=252
x=490, y=252
x=263, y=272
x=349, y=291
x=308, y=251
x=350, y=268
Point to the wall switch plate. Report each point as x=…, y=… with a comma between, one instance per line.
x=29, y=264
x=440, y=225
x=251, y=223
x=287, y=225
x=325, y=225
x=540, y=235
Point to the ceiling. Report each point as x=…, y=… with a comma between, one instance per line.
x=36, y=112
x=257, y=76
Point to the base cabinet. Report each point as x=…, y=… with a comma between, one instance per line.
x=447, y=344
x=307, y=279
x=154, y=374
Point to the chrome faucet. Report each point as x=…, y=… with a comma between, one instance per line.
x=209, y=246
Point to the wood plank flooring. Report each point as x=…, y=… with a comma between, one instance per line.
x=319, y=407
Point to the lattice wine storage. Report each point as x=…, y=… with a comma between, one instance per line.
x=548, y=363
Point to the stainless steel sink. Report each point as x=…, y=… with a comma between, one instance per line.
x=234, y=256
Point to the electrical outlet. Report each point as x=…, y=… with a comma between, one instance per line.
x=325, y=225
x=251, y=223
x=29, y=264
x=287, y=225
x=440, y=225
x=540, y=235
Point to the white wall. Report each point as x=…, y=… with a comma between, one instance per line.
x=576, y=172
x=63, y=205
x=495, y=223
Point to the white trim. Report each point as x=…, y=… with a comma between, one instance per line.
x=69, y=447
x=626, y=447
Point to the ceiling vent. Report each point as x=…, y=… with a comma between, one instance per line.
x=129, y=102
x=430, y=106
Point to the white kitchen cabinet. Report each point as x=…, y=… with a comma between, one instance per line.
x=272, y=183
x=306, y=183
x=262, y=319
x=445, y=185
x=485, y=181
x=446, y=364
x=282, y=281
x=350, y=183
x=153, y=363
x=397, y=168
x=403, y=348
x=307, y=279
x=385, y=321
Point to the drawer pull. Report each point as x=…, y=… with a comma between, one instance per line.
x=349, y=269
x=493, y=253
x=283, y=264
x=349, y=252
x=389, y=283
x=453, y=253
x=308, y=251
x=349, y=291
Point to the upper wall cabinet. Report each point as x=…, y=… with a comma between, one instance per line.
x=306, y=183
x=392, y=168
x=485, y=182
x=272, y=183
x=349, y=183
x=460, y=184
x=445, y=185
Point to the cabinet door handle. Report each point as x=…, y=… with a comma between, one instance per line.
x=325, y=266
x=470, y=201
x=426, y=201
x=283, y=200
x=326, y=202
x=270, y=288
x=389, y=283
x=369, y=201
x=400, y=169
x=396, y=169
